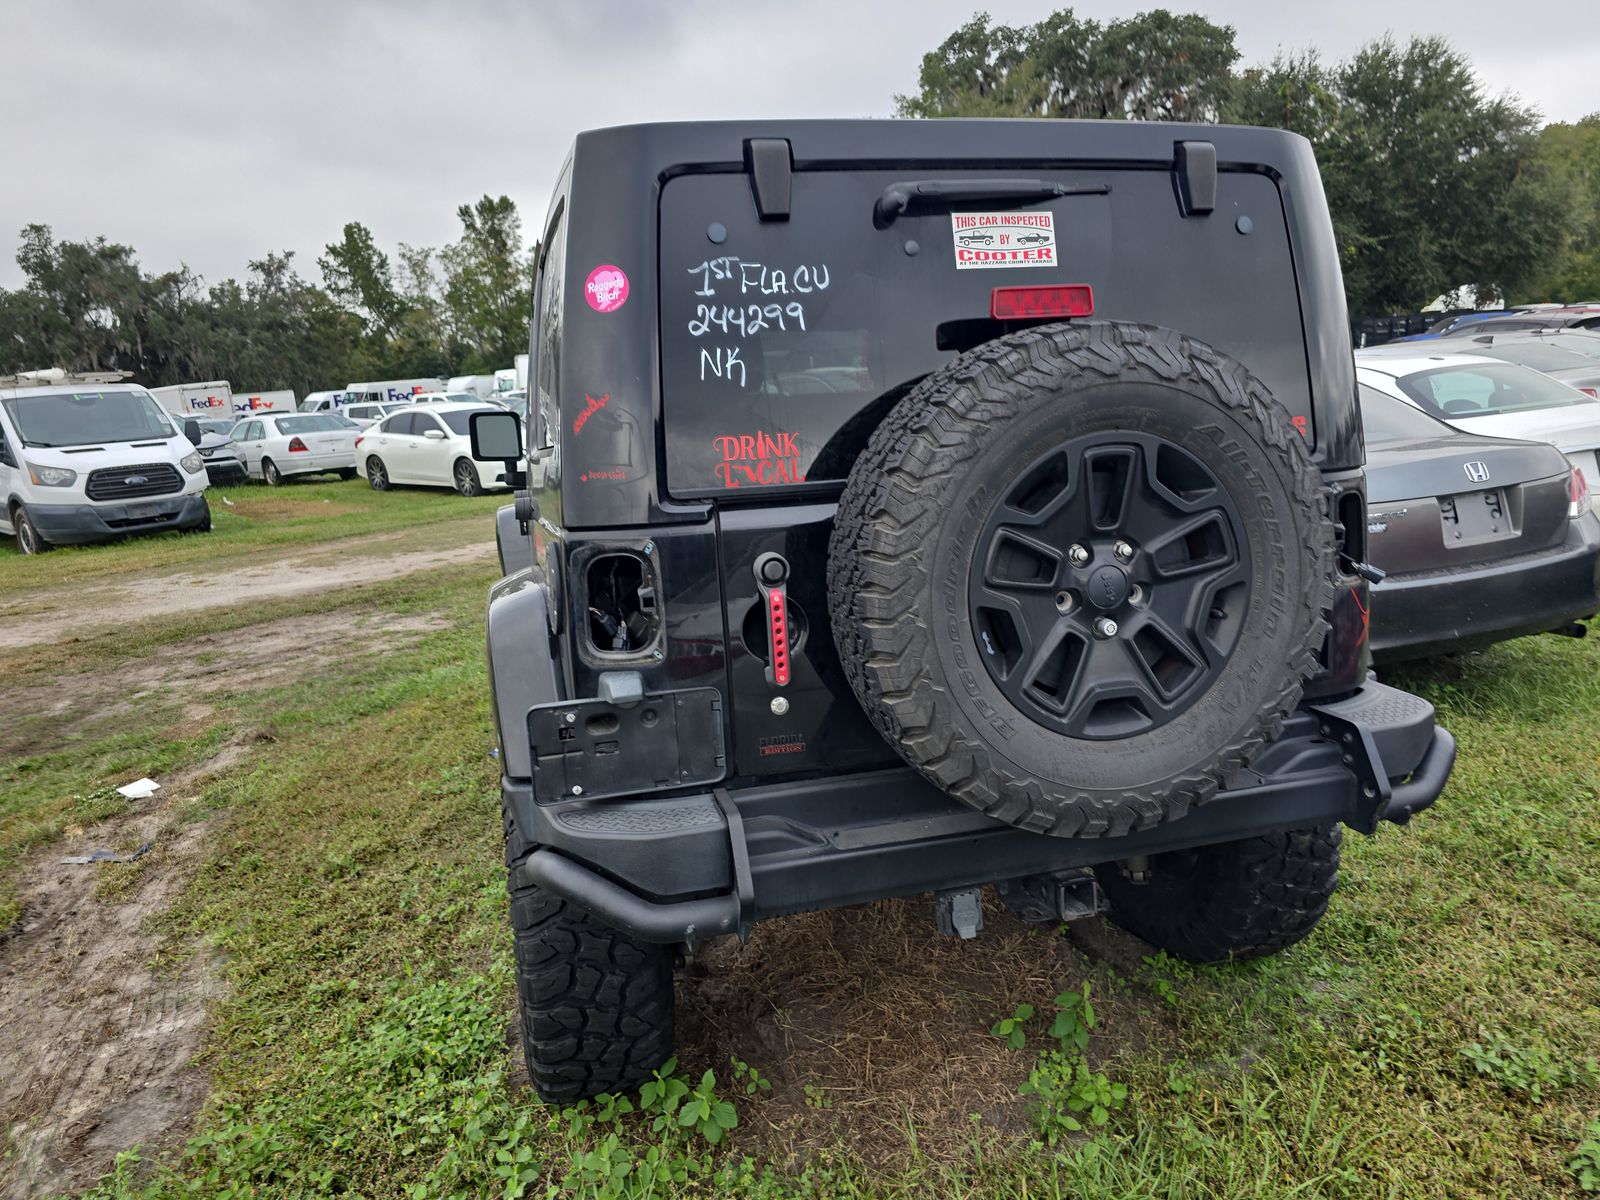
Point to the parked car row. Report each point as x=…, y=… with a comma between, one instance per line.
x=1483, y=455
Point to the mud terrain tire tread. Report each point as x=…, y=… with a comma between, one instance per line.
x=892, y=510
x=1243, y=899
x=596, y=1006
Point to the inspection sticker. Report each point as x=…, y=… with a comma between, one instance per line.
x=1004, y=239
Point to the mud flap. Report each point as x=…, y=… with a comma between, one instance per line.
x=596, y=749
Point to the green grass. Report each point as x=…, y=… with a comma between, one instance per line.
x=1432, y=1038
x=261, y=520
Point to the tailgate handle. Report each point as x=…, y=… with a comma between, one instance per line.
x=770, y=165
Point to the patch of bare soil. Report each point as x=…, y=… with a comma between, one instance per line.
x=868, y=1021
x=96, y=1043
x=33, y=619
x=192, y=673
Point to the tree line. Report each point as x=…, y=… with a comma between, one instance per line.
x=1434, y=184
x=459, y=309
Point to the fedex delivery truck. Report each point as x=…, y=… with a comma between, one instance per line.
x=390, y=391
x=245, y=403
x=481, y=386
x=214, y=399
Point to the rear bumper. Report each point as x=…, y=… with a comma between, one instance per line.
x=321, y=464
x=80, y=524
x=669, y=869
x=1415, y=616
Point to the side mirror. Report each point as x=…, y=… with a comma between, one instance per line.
x=191, y=430
x=435, y=435
x=496, y=436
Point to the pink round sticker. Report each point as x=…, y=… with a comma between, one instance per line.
x=606, y=289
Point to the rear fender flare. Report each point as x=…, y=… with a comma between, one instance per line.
x=515, y=546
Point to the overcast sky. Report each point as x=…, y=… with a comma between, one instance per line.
x=206, y=133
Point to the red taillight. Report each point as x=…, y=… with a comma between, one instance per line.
x=360, y=437
x=296, y=446
x=1577, y=494
x=1031, y=303
x=1590, y=392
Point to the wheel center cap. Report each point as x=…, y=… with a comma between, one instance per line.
x=1108, y=587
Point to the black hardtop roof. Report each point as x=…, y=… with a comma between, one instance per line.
x=819, y=142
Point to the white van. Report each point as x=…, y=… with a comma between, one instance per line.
x=323, y=401
x=82, y=460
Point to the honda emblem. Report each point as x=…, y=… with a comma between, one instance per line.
x=1476, y=471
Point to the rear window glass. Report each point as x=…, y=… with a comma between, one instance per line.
x=460, y=421
x=1483, y=391
x=1385, y=419
x=312, y=423
x=1541, y=356
x=781, y=342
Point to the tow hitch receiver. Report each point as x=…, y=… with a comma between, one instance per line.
x=1059, y=896
x=595, y=749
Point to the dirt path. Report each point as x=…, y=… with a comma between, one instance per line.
x=96, y=1042
x=101, y=1014
x=36, y=618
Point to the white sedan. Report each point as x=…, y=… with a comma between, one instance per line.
x=278, y=445
x=1497, y=399
x=430, y=445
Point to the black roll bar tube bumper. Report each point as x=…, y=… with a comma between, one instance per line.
x=694, y=865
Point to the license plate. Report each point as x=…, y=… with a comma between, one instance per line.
x=139, y=512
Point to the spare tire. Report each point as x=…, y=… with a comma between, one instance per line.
x=1078, y=576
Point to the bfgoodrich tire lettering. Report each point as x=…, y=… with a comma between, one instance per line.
x=1236, y=900
x=596, y=1006
x=904, y=549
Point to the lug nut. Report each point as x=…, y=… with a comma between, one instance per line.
x=1136, y=594
x=1077, y=556
x=1105, y=627
x=1123, y=551
x=1064, y=602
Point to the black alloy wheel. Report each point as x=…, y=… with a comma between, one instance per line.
x=1109, y=588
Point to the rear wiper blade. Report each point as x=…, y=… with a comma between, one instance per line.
x=898, y=197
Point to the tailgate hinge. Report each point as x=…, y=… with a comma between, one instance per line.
x=770, y=164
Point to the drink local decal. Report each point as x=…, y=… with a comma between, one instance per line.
x=1005, y=239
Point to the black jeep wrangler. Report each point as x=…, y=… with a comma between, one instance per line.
x=924, y=506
